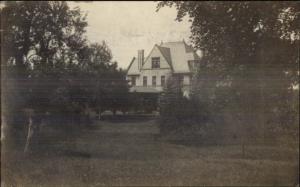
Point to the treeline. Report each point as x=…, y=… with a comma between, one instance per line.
x=51, y=73
x=246, y=86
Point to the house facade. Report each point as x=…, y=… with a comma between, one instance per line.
x=149, y=74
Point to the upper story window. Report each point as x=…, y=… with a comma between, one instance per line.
x=145, y=81
x=153, y=80
x=133, y=81
x=155, y=62
x=163, y=80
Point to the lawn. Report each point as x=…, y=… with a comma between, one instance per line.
x=130, y=153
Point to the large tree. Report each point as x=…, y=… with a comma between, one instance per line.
x=250, y=48
x=49, y=67
x=106, y=84
x=39, y=41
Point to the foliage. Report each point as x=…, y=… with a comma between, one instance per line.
x=49, y=67
x=251, y=58
x=178, y=112
x=40, y=40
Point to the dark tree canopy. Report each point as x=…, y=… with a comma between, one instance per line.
x=40, y=39
x=251, y=57
x=40, y=32
x=235, y=33
x=47, y=56
x=48, y=67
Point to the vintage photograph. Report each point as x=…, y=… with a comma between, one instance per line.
x=149, y=93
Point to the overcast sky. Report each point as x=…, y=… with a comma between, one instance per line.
x=129, y=26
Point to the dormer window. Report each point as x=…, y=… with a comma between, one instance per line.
x=155, y=62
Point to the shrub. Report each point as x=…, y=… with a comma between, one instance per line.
x=178, y=113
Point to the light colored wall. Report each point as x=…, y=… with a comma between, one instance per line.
x=164, y=70
x=158, y=73
x=147, y=70
x=155, y=53
x=154, y=72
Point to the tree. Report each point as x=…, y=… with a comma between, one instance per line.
x=178, y=113
x=169, y=104
x=251, y=48
x=50, y=69
x=106, y=84
x=40, y=40
x=118, y=95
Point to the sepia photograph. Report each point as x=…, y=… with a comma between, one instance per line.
x=149, y=93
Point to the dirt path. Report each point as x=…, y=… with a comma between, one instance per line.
x=130, y=154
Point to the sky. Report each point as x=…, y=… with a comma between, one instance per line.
x=129, y=26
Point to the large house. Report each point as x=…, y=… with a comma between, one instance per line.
x=149, y=75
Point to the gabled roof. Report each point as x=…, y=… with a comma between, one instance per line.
x=180, y=54
x=177, y=54
x=165, y=53
x=133, y=67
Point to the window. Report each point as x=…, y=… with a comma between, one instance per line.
x=155, y=62
x=133, y=81
x=144, y=81
x=162, y=80
x=153, y=80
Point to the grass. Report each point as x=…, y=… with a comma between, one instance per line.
x=129, y=153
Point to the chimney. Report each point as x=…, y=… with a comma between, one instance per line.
x=140, y=58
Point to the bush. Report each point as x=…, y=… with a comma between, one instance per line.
x=178, y=113
x=221, y=115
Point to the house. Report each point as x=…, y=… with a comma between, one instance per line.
x=149, y=75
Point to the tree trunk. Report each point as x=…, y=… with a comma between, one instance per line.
x=262, y=102
x=29, y=134
x=4, y=131
x=3, y=127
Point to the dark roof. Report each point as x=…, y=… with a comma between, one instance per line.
x=166, y=53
